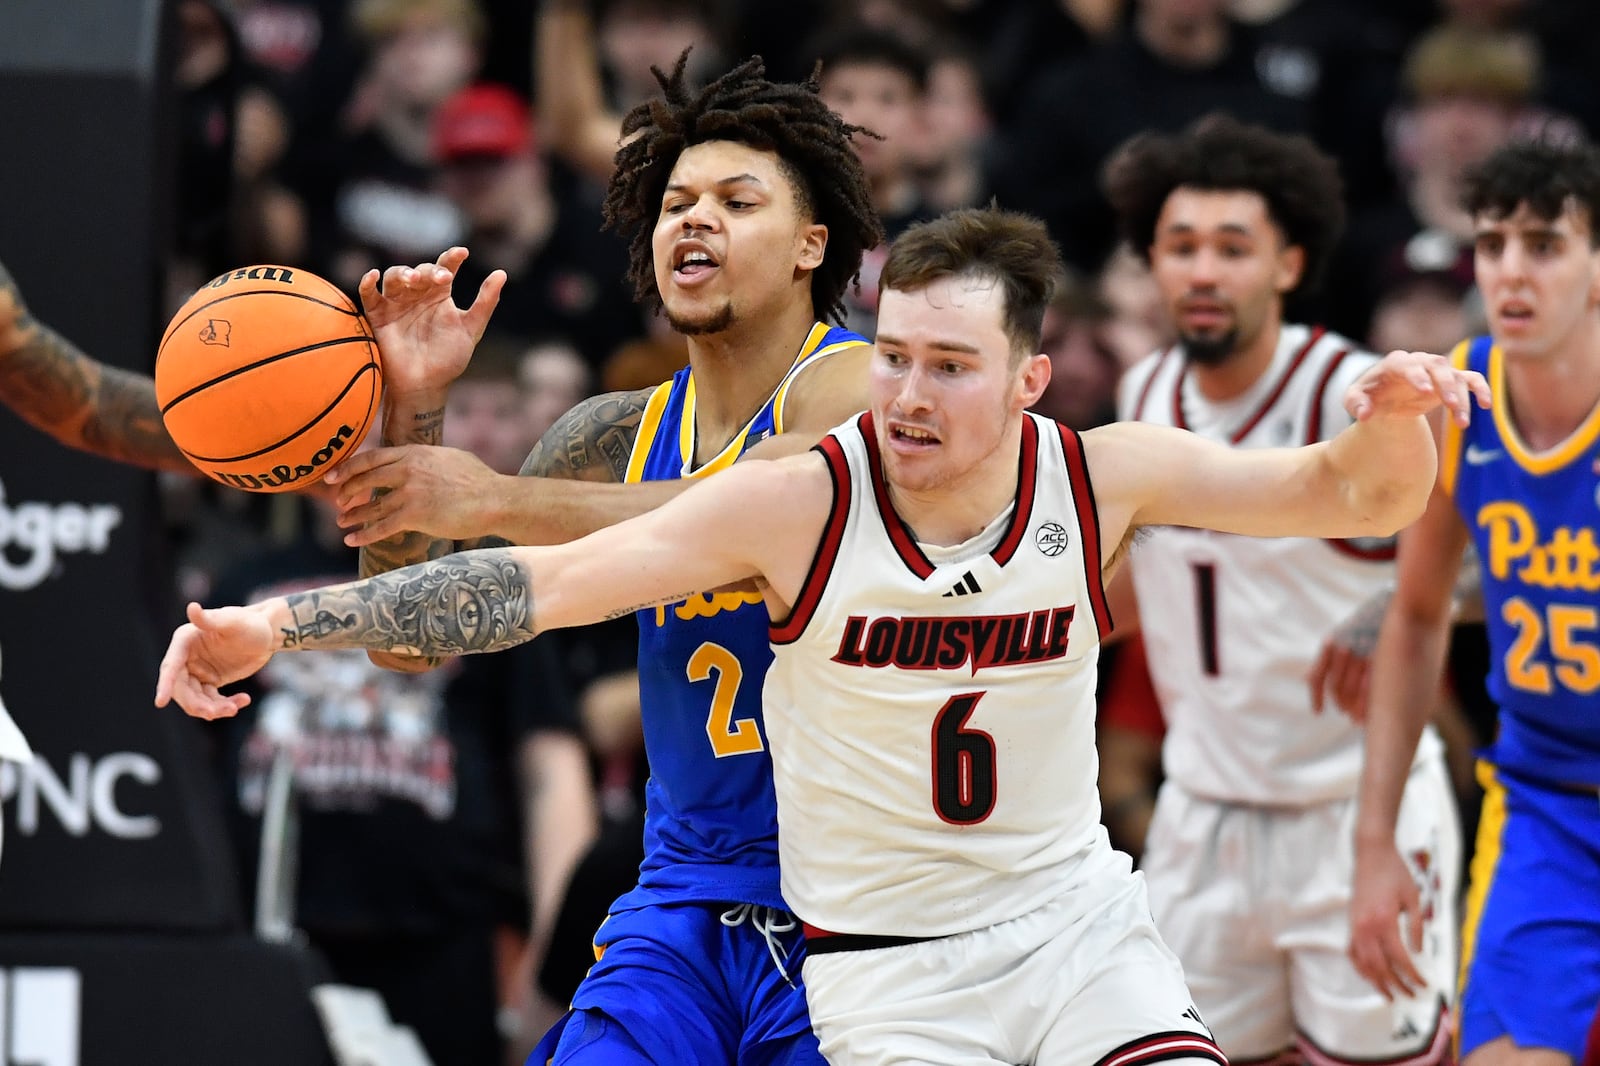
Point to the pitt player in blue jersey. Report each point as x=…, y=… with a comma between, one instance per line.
x=1522, y=482
x=748, y=215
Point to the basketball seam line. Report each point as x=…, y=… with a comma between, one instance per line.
x=174, y=326
x=278, y=444
x=236, y=371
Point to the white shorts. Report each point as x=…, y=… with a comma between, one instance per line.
x=1255, y=901
x=1069, y=984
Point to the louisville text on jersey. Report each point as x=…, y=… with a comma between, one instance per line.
x=950, y=643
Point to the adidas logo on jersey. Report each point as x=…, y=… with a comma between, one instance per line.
x=966, y=586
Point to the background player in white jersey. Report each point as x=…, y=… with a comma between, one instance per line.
x=1248, y=857
x=939, y=825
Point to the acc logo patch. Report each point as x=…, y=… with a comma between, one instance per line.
x=1050, y=538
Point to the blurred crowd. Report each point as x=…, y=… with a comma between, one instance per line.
x=463, y=834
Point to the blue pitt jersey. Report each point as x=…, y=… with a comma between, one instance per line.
x=1535, y=519
x=711, y=823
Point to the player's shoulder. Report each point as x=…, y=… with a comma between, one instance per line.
x=594, y=439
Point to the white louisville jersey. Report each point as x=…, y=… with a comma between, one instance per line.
x=931, y=710
x=1233, y=625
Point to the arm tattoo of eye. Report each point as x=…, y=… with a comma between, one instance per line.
x=471, y=602
x=591, y=442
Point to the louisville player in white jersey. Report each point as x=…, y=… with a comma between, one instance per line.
x=1248, y=857
x=933, y=571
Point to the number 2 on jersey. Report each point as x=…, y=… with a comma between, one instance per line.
x=728, y=737
x=963, y=763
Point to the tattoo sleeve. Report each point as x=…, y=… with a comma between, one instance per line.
x=79, y=401
x=475, y=602
x=591, y=442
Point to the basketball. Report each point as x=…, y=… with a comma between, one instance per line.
x=268, y=377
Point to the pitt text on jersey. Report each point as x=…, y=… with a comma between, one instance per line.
x=946, y=643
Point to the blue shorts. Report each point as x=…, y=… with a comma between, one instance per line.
x=681, y=983
x=1531, y=939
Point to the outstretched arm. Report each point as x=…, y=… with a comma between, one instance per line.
x=1370, y=480
x=79, y=401
x=1406, y=669
x=760, y=520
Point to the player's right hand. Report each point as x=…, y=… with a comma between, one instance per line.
x=1343, y=667
x=217, y=647
x=437, y=491
x=1383, y=892
x=424, y=339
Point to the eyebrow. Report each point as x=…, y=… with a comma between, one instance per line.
x=1238, y=228
x=937, y=345
x=737, y=179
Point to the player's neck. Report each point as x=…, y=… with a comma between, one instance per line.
x=957, y=510
x=736, y=371
x=1550, y=396
x=1242, y=369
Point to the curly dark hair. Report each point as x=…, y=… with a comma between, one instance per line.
x=1545, y=173
x=811, y=142
x=1005, y=246
x=1300, y=183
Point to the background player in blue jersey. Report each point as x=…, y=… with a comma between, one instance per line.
x=748, y=214
x=1522, y=482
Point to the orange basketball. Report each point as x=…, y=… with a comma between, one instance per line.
x=267, y=378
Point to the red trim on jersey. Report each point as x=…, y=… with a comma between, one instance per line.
x=1266, y=405
x=1435, y=1051
x=1314, y=423
x=1088, y=527
x=1149, y=383
x=1027, y=483
x=1159, y=1047
x=805, y=603
x=1384, y=553
x=905, y=545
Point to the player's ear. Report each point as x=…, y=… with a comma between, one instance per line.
x=813, y=243
x=1291, y=268
x=1033, y=376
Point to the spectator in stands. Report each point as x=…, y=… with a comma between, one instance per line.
x=564, y=277
x=1175, y=61
x=874, y=79
x=1465, y=90
x=372, y=190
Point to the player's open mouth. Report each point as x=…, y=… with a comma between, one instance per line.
x=912, y=437
x=692, y=260
x=1516, y=311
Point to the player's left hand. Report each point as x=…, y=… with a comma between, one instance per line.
x=429, y=489
x=425, y=339
x=1407, y=384
x=1343, y=666
x=1383, y=892
x=217, y=647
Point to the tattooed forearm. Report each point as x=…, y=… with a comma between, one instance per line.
x=404, y=549
x=591, y=442
x=471, y=602
x=80, y=402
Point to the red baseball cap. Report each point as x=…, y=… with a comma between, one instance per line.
x=482, y=120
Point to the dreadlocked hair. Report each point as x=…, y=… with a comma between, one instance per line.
x=789, y=119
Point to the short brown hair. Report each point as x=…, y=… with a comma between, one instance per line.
x=1012, y=249
x=1462, y=61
